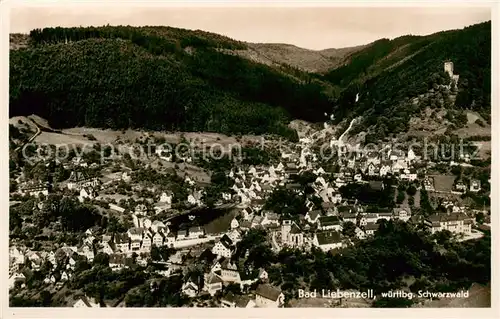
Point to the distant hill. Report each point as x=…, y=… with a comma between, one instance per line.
x=300, y=58
x=157, y=78
x=396, y=79
x=164, y=78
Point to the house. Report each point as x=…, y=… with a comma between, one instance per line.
x=454, y=222
x=146, y=243
x=34, y=189
x=475, y=185
x=229, y=271
x=348, y=217
x=236, y=301
x=358, y=177
x=411, y=155
x=313, y=216
x=159, y=227
x=196, y=232
x=122, y=242
x=107, y=247
x=16, y=278
x=167, y=199
x=328, y=207
x=116, y=208
x=385, y=169
x=402, y=213
x=16, y=256
x=86, y=302
x=460, y=187
x=408, y=174
x=360, y=234
x=372, y=170
x=395, y=155
x=135, y=244
x=169, y=240
x=270, y=218
x=224, y=247
x=64, y=276
x=141, y=210
x=292, y=236
x=190, y=289
x=79, y=179
x=234, y=223
x=256, y=221
x=327, y=240
x=181, y=234
x=267, y=296
x=429, y=184
x=158, y=239
x=135, y=233
x=263, y=275
x=329, y=223
x=371, y=228
x=213, y=283
x=235, y=235
x=385, y=214
x=368, y=218
x=86, y=251
x=87, y=192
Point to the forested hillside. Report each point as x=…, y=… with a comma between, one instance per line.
x=155, y=78
x=166, y=78
x=390, y=73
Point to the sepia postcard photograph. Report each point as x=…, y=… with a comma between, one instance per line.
x=248, y=156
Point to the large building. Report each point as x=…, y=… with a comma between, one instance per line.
x=267, y=296
x=457, y=223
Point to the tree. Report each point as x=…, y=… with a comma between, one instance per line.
x=101, y=259
x=480, y=218
x=233, y=288
x=155, y=253
x=349, y=229
x=411, y=190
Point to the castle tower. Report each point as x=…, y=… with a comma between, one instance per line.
x=285, y=229
x=448, y=68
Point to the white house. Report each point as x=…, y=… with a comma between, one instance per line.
x=313, y=216
x=213, y=283
x=224, y=247
x=234, y=223
x=327, y=240
x=267, y=296
x=190, y=289
x=329, y=223
x=402, y=213
x=196, y=232
x=86, y=302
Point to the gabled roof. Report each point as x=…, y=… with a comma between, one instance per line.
x=226, y=241
x=313, y=214
x=295, y=229
x=329, y=220
x=213, y=279
x=346, y=209
x=195, y=229
x=121, y=238
x=269, y=292
x=136, y=230
x=447, y=217
x=372, y=226
x=328, y=237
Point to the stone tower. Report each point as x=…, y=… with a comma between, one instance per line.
x=285, y=229
x=448, y=68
